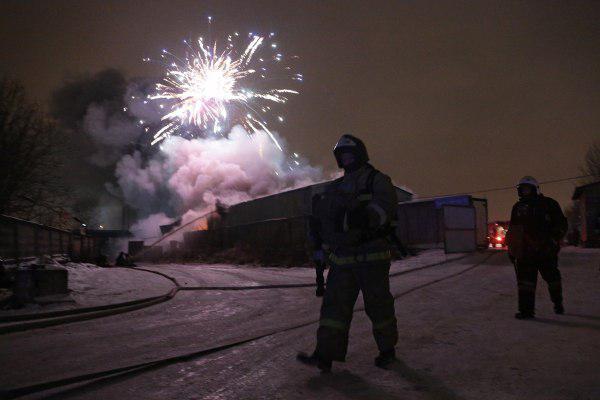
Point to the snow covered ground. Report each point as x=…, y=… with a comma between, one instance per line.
x=458, y=340
x=90, y=285
x=235, y=275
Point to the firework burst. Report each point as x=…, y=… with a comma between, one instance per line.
x=213, y=88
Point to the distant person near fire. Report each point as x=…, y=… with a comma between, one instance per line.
x=351, y=223
x=537, y=225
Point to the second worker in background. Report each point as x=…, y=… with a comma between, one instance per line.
x=537, y=225
x=350, y=226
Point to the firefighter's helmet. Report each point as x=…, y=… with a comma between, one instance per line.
x=531, y=181
x=351, y=144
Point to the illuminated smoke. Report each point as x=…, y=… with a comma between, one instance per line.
x=214, y=118
x=192, y=175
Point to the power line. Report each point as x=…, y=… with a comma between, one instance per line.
x=498, y=189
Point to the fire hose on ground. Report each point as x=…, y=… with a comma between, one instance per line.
x=107, y=375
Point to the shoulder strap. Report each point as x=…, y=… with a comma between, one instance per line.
x=369, y=188
x=370, y=180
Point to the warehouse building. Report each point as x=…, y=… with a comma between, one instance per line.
x=588, y=197
x=273, y=227
x=288, y=204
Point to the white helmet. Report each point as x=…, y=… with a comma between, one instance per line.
x=530, y=180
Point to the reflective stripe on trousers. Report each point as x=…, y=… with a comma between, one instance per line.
x=360, y=258
x=333, y=323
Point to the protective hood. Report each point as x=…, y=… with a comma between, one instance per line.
x=351, y=144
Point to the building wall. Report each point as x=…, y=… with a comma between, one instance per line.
x=583, y=218
x=22, y=239
x=590, y=216
x=274, y=227
x=282, y=240
x=420, y=223
x=288, y=204
x=481, y=213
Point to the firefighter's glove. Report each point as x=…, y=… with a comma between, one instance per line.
x=319, y=257
x=320, y=291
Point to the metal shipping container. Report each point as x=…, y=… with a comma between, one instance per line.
x=421, y=222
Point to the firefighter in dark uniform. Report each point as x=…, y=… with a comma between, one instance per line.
x=351, y=223
x=537, y=225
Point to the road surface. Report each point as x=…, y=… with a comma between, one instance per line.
x=458, y=340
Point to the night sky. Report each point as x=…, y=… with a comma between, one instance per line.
x=449, y=96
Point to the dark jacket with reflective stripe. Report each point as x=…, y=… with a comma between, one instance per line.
x=346, y=217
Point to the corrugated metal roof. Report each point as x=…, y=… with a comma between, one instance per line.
x=440, y=201
x=285, y=204
x=580, y=189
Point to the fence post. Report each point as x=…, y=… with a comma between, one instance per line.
x=70, y=246
x=36, y=243
x=16, y=241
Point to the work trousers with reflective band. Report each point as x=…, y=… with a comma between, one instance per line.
x=527, y=271
x=343, y=286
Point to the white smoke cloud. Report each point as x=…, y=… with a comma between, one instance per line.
x=190, y=176
x=183, y=177
x=149, y=227
x=235, y=169
x=142, y=183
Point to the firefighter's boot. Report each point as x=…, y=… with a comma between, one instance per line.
x=559, y=308
x=314, y=360
x=385, y=359
x=524, y=315
x=555, y=291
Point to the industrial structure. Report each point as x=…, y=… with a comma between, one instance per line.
x=274, y=228
x=454, y=223
x=588, y=197
x=20, y=239
x=271, y=228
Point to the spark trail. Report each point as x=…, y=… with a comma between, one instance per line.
x=213, y=88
